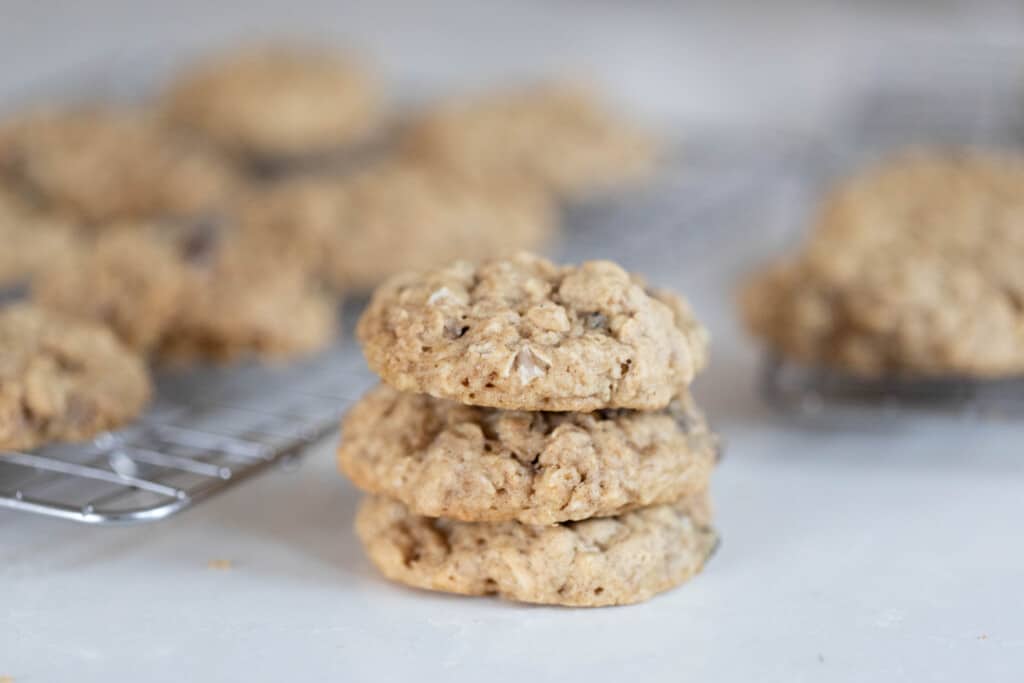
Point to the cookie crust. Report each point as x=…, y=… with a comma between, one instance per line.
x=62, y=380
x=442, y=459
x=617, y=560
x=525, y=334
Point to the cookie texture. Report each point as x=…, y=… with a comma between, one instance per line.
x=30, y=241
x=62, y=380
x=355, y=231
x=605, y=561
x=525, y=334
x=443, y=459
x=913, y=268
x=190, y=292
x=560, y=135
x=275, y=101
x=97, y=166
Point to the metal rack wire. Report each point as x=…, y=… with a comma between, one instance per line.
x=213, y=427
x=208, y=430
x=816, y=391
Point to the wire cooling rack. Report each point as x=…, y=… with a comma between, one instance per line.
x=211, y=428
x=208, y=429
x=816, y=391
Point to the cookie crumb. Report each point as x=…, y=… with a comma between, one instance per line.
x=218, y=565
x=6, y=679
x=983, y=636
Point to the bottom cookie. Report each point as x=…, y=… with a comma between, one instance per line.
x=605, y=561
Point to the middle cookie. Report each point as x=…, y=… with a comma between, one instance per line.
x=444, y=459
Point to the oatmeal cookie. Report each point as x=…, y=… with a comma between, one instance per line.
x=525, y=334
x=443, y=459
x=30, y=242
x=63, y=380
x=355, y=231
x=605, y=561
x=559, y=135
x=97, y=166
x=190, y=292
x=913, y=268
x=276, y=102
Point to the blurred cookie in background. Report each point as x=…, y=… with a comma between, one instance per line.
x=276, y=103
x=356, y=230
x=190, y=293
x=99, y=165
x=62, y=379
x=560, y=135
x=30, y=241
x=912, y=268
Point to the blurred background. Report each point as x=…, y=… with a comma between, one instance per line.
x=786, y=63
x=927, y=510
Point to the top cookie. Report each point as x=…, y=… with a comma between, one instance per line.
x=97, y=166
x=525, y=334
x=913, y=268
x=396, y=215
x=275, y=103
x=559, y=135
x=62, y=380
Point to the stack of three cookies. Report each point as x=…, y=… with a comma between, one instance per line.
x=535, y=437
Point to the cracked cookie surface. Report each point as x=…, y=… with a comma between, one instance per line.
x=525, y=334
x=443, y=459
x=559, y=135
x=355, y=231
x=604, y=561
x=913, y=268
x=62, y=380
x=276, y=102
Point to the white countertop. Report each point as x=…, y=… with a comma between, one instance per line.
x=890, y=554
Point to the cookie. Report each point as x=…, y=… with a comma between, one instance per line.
x=190, y=292
x=63, y=380
x=443, y=459
x=606, y=561
x=912, y=269
x=275, y=102
x=97, y=166
x=397, y=215
x=525, y=334
x=30, y=242
x=559, y=135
